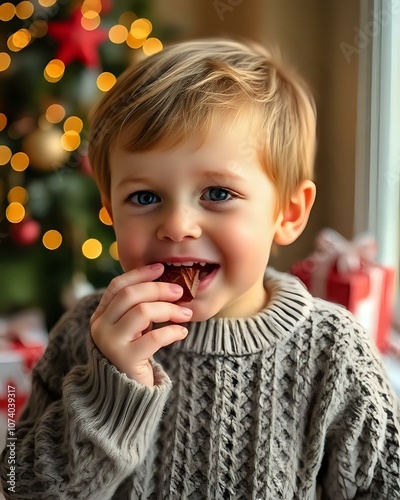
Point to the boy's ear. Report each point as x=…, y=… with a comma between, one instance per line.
x=294, y=218
x=107, y=205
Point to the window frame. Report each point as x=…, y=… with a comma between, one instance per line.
x=377, y=196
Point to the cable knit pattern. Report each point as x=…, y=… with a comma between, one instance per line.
x=276, y=406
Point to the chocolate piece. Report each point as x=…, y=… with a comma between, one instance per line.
x=186, y=277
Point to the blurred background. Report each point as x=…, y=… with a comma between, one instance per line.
x=57, y=58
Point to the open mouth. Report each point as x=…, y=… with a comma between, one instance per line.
x=205, y=268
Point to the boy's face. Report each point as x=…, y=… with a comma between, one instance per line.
x=211, y=203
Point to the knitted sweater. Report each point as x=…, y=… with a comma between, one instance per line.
x=274, y=407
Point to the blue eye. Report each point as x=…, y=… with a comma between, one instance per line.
x=144, y=198
x=217, y=194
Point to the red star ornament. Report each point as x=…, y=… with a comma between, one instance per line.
x=76, y=42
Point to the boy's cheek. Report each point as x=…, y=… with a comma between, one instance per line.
x=128, y=263
x=128, y=254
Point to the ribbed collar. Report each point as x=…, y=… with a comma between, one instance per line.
x=289, y=306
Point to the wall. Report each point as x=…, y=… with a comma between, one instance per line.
x=310, y=34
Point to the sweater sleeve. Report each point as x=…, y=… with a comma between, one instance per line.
x=86, y=426
x=362, y=455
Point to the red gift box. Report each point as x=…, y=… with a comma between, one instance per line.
x=344, y=272
x=23, y=340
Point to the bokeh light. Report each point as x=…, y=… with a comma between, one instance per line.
x=91, y=5
x=20, y=161
x=18, y=194
x=5, y=154
x=73, y=123
x=152, y=46
x=54, y=70
x=3, y=121
x=105, y=81
x=39, y=28
x=10, y=44
x=127, y=18
x=90, y=20
x=5, y=61
x=104, y=216
x=70, y=140
x=113, y=250
x=52, y=239
x=141, y=28
x=15, y=212
x=55, y=113
x=24, y=10
x=92, y=248
x=7, y=11
x=47, y=3
x=118, y=33
x=134, y=43
x=19, y=40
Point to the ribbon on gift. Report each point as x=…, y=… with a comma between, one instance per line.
x=332, y=248
x=23, y=338
x=27, y=327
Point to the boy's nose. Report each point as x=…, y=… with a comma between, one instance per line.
x=179, y=223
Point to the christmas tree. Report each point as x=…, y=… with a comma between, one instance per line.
x=57, y=58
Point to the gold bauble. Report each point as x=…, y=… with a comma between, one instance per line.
x=44, y=149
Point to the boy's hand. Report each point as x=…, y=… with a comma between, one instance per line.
x=121, y=324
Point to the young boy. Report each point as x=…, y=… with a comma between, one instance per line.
x=203, y=154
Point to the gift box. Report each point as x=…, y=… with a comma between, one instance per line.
x=23, y=339
x=344, y=272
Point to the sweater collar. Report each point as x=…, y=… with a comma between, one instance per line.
x=289, y=306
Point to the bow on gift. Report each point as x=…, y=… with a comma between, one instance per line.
x=331, y=248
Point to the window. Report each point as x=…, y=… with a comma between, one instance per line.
x=377, y=198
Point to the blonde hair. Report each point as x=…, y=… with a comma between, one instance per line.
x=179, y=92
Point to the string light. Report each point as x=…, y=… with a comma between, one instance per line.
x=5, y=61
x=54, y=70
x=127, y=18
x=104, y=216
x=105, y=81
x=133, y=42
x=5, y=154
x=20, y=162
x=90, y=20
x=113, y=250
x=47, y=3
x=52, y=239
x=152, y=46
x=15, y=212
x=92, y=248
x=38, y=29
x=91, y=5
x=70, y=140
x=7, y=11
x=73, y=123
x=118, y=33
x=19, y=40
x=10, y=44
x=3, y=121
x=133, y=31
x=141, y=28
x=24, y=10
x=55, y=113
x=18, y=194
x=22, y=38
